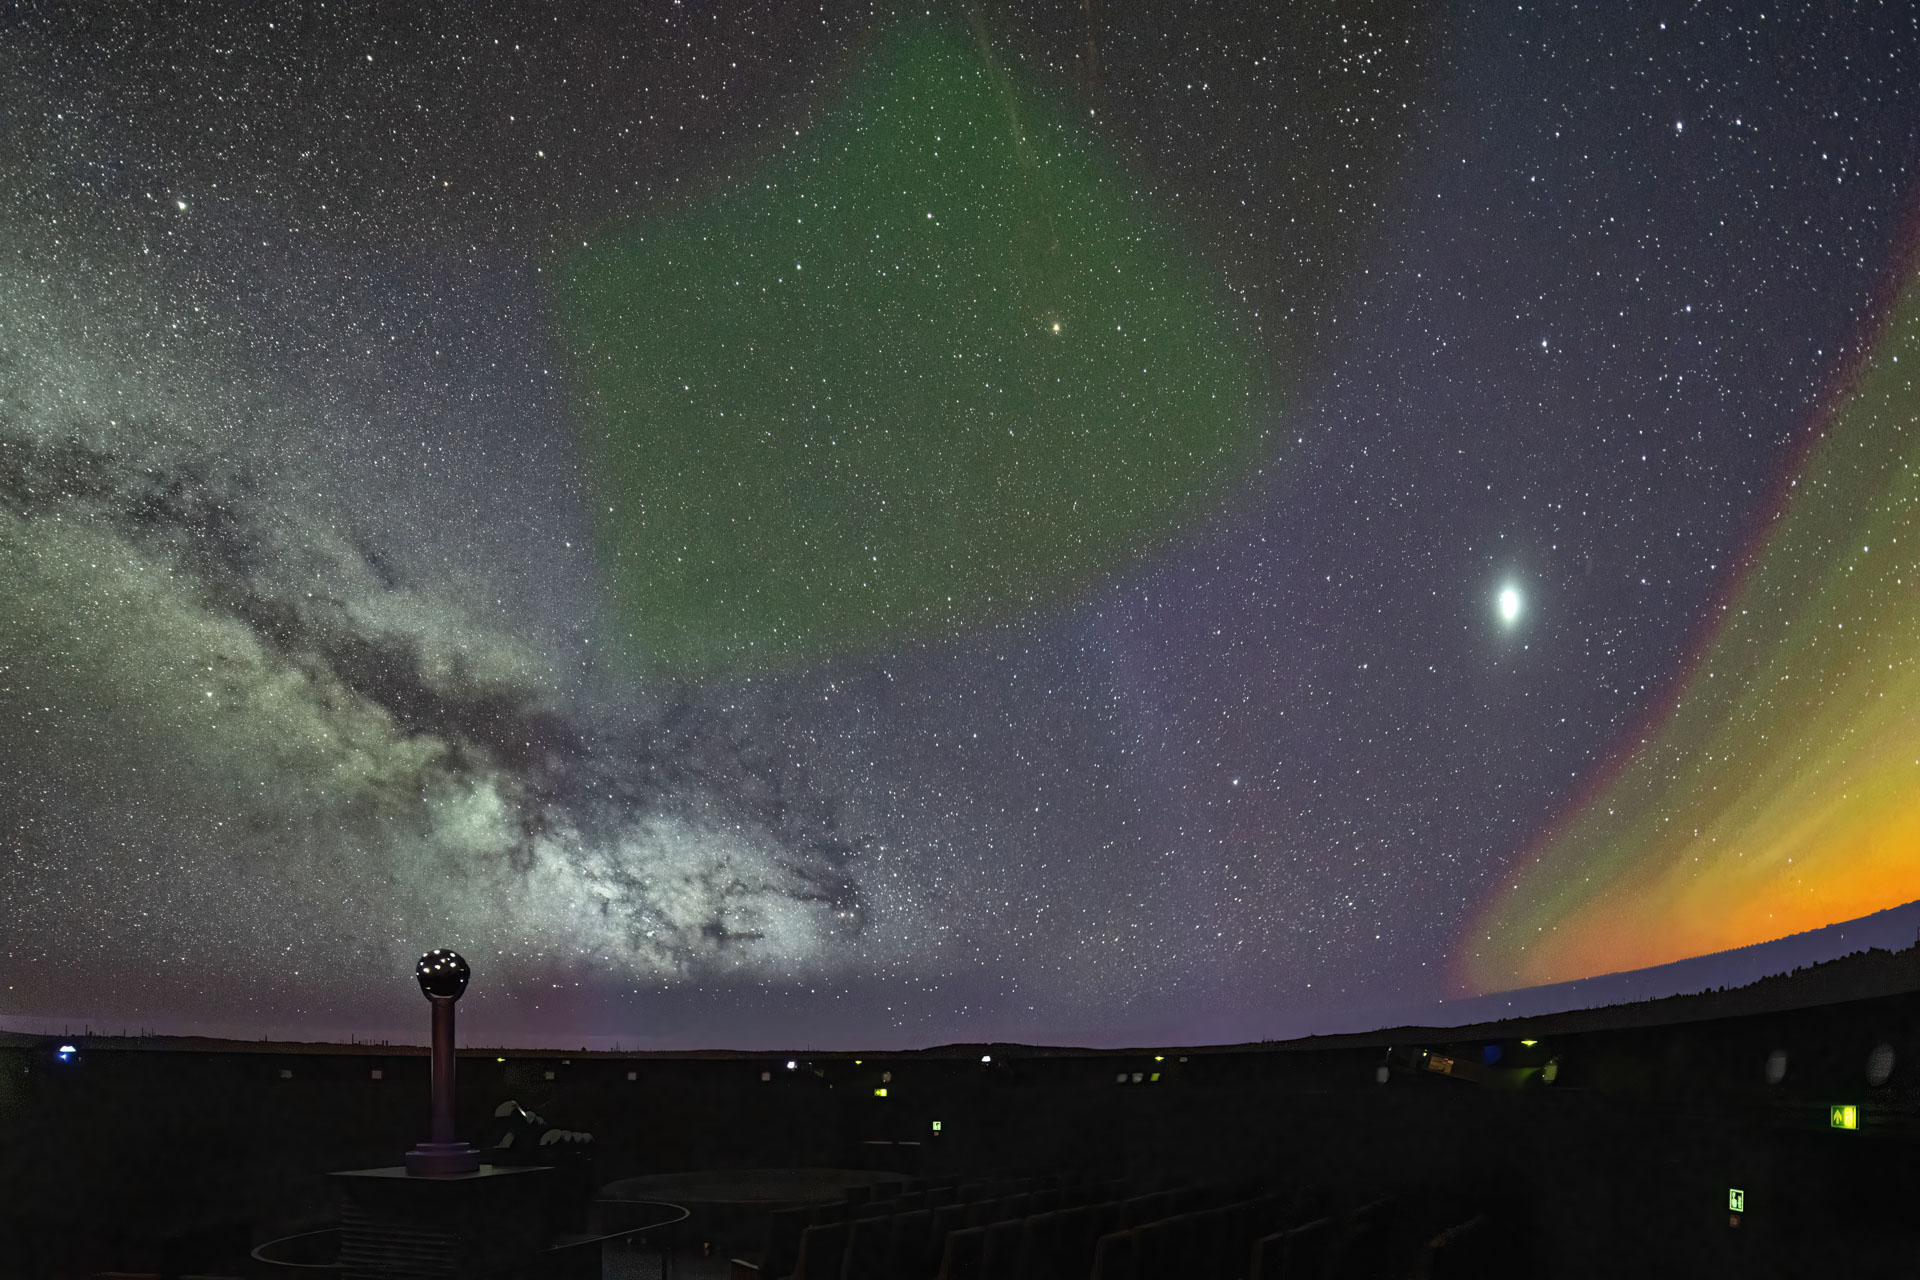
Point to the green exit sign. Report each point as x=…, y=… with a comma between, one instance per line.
x=1736, y=1200
x=1843, y=1117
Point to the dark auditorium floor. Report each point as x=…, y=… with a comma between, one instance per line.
x=620, y=1263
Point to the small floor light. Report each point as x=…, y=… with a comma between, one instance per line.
x=1880, y=1065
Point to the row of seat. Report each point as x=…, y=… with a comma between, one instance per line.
x=1182, y=1234
x=1186, y=1234
x=944, y=1206
x=1199, y=1244
x=1177, y=1235
x=1039, y=1235
x=1377, y=1241
x=1051, y=1244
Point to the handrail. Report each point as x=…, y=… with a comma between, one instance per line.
x=298, y=1266
x=627, y=1232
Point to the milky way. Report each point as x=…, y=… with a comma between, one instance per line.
x=316, y=650
x=265, y=728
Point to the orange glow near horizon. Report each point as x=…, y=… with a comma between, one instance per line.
x=1782, y=793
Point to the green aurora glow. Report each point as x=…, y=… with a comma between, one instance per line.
x=932, y=363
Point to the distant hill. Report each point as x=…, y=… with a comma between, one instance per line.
x=1876, y=955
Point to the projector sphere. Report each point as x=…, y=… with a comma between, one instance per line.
x=442, y=974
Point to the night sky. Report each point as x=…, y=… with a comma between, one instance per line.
x=873, y=526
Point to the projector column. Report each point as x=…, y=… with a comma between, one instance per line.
x=443, y=980
x=444, y=1214
x=443, y=1072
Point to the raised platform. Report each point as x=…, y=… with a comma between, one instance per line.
x=466, y=1226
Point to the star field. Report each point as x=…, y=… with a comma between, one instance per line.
x=323, y=330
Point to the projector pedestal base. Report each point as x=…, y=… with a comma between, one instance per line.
x=465, y=1226
x=442, y=1160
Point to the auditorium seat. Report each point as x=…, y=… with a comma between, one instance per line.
x=1266, y=1257
x=867, y=1243
x=1002, y=1254
x=1072, y=1245
x=1365, y=1246
x=1298, y=1253
x=963, y=1258
x=907, y=1249
x=1037, y=1234
x=984, y=1213
x=778, y=1249
x=1156, y=1251
x=1458, y=1252
x=822, y=1251
x=1107, y=1216
x=1265, y=1215
x=947, y=1218
x=1113, y=1257
x=1220, y=1227
x=1203, y=1244
x=1214, y=1241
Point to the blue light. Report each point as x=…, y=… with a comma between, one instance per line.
x=66, y=1053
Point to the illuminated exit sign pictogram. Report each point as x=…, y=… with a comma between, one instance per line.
x=1843, y=1117
x=1736, y=1200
